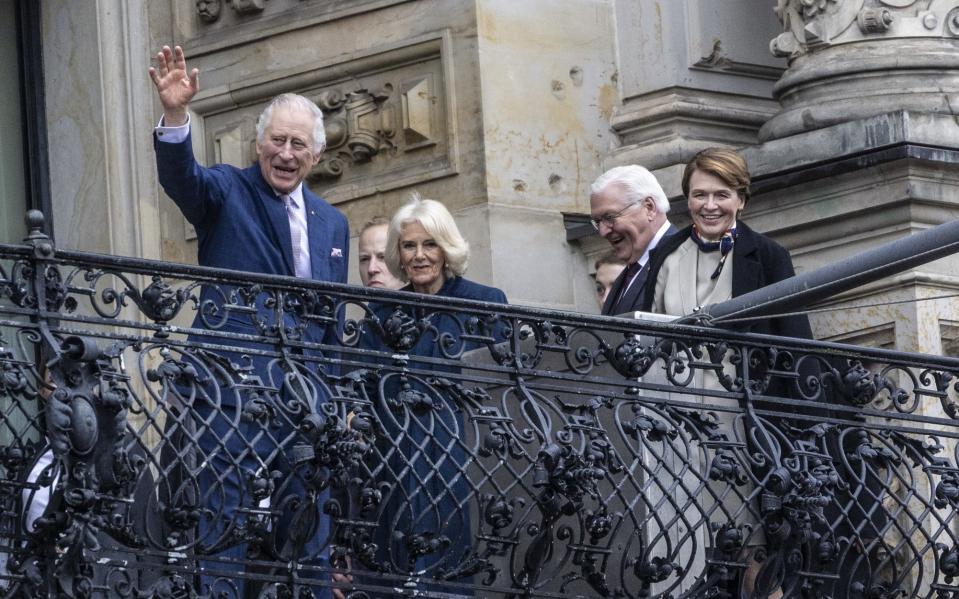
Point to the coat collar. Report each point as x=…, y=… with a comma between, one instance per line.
x=746, y=267
x=447, y=290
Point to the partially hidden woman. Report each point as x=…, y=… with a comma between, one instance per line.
x=715, y=259
x=423, y=445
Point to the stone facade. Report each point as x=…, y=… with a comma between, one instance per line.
x=506, y=111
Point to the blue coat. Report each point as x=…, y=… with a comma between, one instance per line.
x=241, y=224
x=421, y=448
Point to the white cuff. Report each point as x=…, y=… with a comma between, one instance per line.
x=172, y=135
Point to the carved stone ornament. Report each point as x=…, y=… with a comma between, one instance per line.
x=245, y=7
x=812, y=24
x=208, y=10
x=851, y=59
x=359, y=125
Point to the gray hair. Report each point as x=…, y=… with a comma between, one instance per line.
x=298, y=102
x=636, y=181
x=438, y=222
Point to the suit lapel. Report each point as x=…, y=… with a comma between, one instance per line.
x=281, y=228
x=610, y=304
x=629, y=301
x=317, y=232
x=275, y=213
x=746, y=267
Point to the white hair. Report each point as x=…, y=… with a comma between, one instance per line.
x=636, y=181
x=438, y=222
x=298, y=102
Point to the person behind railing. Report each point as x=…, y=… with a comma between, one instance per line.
x=608, y=268
x=628, y=208
x=422, y=449
x=41, y=480
x=716, y=258
x=372, y=255
x=259, y=219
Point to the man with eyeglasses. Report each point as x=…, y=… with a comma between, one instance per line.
x=628, y=207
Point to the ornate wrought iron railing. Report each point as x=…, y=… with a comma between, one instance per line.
x=175, y=431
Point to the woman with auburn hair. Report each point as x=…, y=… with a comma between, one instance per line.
x=715, y=259
x=718, y=257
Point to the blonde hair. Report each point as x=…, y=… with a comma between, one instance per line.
x=438, y=222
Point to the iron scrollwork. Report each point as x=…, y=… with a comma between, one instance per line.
x=532, y=453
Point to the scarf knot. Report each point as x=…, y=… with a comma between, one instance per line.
x=724, y=245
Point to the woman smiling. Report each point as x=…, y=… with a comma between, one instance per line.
x=718, y=257
x=423, y=444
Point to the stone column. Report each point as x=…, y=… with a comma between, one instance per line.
x=102, y=179
x=692, y=74
x=854, y=59
x=863, y=151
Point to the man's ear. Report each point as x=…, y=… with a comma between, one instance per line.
x=650, y=204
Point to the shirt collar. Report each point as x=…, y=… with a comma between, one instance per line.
x=296, y=195
x=654, y=242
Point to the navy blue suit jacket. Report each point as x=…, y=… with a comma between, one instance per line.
x=241, y=224
x=633, y=299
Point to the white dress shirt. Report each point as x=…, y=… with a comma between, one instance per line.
x=645, y=257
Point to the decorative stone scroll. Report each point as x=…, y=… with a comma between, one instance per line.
x=386, y=116
x=812, y=24
x=853, y=59
x=362, y=124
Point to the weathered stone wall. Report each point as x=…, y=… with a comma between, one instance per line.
x=506, y=111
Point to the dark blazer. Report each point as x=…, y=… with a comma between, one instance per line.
x=241, y=224
x=633, y=299
x=758, y=261
x=445, y=323
x=424, y=449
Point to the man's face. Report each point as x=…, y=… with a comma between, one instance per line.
x=605, y=277
x=632, y=230
x=286, y=151
x=373, y=270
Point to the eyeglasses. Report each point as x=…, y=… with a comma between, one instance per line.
x=609, y=219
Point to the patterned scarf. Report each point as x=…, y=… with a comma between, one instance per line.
x=724, y=245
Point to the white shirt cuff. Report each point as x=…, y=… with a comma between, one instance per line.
x=172, y=135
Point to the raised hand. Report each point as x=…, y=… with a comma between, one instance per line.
x=175, y=86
